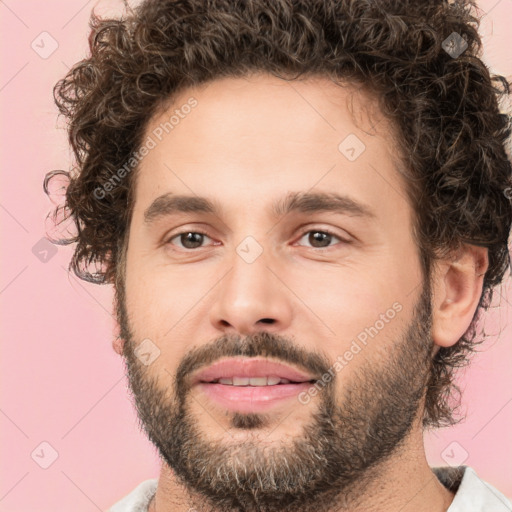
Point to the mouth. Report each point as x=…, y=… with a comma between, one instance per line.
x=251, y=384
x=245, y=371
x=271, y=380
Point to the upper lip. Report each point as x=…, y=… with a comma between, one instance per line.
x=250, y=367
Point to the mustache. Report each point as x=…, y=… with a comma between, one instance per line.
x=259, y=344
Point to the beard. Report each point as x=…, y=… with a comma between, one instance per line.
x=339, y=451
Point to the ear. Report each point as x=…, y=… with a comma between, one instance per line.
x=457, y=287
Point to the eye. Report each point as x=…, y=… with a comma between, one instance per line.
x=320, y=239
x=189, y=239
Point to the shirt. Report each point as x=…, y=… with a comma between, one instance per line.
x=472, y=494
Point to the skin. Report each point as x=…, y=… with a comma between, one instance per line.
x=248, y=142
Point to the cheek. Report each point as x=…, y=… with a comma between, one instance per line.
x=161, y=300
x=358, y=309
x=156, y=312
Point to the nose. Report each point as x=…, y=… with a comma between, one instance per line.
x=251, y=297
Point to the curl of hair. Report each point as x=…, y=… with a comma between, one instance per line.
x=452, y=134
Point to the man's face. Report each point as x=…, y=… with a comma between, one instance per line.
x=334, y=295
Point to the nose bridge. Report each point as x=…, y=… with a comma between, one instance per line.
x=249, y=270
x=249, y=284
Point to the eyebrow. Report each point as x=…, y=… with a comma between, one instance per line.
x=303, y=202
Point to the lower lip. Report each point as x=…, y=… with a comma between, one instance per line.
x=251, y=398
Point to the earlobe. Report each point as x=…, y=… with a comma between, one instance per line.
x=457, y=287
x=118, y=344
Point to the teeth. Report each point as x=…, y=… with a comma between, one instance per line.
x=240, y=381
x=258, y=381
x=253, y=381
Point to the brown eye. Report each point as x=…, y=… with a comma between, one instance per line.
x=189, y=239
x=320, y=239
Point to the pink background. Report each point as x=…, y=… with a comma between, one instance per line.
x=61, y=381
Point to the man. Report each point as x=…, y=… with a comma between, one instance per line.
x=303, y=207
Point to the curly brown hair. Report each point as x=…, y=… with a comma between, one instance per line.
x=442, y=100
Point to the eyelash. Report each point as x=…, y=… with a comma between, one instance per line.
x=200, y=232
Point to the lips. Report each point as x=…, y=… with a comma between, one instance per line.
x=251, y=372
x=251, y=385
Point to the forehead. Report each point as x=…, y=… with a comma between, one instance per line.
x=261, y=137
